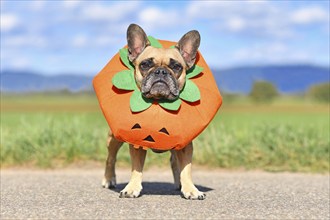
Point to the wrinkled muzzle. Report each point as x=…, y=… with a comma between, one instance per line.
x=160, y=84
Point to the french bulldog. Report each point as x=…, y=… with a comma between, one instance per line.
x=160, y=74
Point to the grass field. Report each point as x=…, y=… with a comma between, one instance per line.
x=54, y=131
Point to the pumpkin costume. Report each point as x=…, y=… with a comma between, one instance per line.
x=160, y=125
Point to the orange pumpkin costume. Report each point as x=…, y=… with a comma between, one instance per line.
x=156, y=127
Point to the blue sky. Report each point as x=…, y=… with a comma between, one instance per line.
x=53, y=37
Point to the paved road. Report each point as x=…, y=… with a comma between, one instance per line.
x=77, y=194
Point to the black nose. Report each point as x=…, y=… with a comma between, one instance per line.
x=161, y=71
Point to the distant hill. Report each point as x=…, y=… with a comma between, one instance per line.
x=13, y=81
x=287, y=78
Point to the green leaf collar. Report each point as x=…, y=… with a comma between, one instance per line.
x=125, y=80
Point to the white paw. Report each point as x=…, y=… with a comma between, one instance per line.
x=194, y=194
x=131, y=191
x=109, y=184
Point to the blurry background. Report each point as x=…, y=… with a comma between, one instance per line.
x=270, y=60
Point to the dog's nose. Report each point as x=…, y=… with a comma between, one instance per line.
x=161, y=71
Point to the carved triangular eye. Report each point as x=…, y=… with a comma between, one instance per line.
x=136, y=126
x=164, y=131
x=149, y=138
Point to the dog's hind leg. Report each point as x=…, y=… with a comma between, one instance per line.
x=113, y=145
x=134, y=187
x=175, y=170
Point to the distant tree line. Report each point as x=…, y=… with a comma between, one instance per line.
x=320, y=92
x=263, y=91
x=266, y=92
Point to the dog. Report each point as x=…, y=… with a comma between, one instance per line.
x=160, y=74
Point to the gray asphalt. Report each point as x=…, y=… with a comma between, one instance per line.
x=77, y=194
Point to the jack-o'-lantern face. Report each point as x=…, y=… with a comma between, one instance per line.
x=150, y=137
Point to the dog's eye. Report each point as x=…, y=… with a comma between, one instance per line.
x=177, y=67
x=146, y=64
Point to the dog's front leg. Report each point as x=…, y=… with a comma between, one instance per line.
x=113, y=145
x=188, y=189
x=134, y=187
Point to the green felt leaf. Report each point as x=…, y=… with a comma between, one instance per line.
x=154, y=42
x=190, y=92
x=124, y=80
x=194, y=71
x=124, y=58
x=173, y=106
x=172, y=47
x=138, y=103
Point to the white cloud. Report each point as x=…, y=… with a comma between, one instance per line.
x=20, y=63
x=236, y=24
x=197, y=8
x=9, y=22
x=10, y=60
x=79, y=41
x=37, y=5
x=256, y=18
x=223, y=9
x=153, y=18
x=277, y=52
x=85, y=42
x=109, y=13
x=105, y=41
x=71, y=4
x=98, y=12
x=310, y=15
x=20, y=41
x=209, y=9
x=252, y=17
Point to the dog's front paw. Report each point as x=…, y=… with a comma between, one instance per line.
x=109, y=184
x=130, y=191
x=193, y=194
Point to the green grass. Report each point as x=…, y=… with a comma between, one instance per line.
x=55, y=131
x=265, y=141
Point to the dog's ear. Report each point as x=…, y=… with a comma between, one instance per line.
x=188, y=46
x=137, y=40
